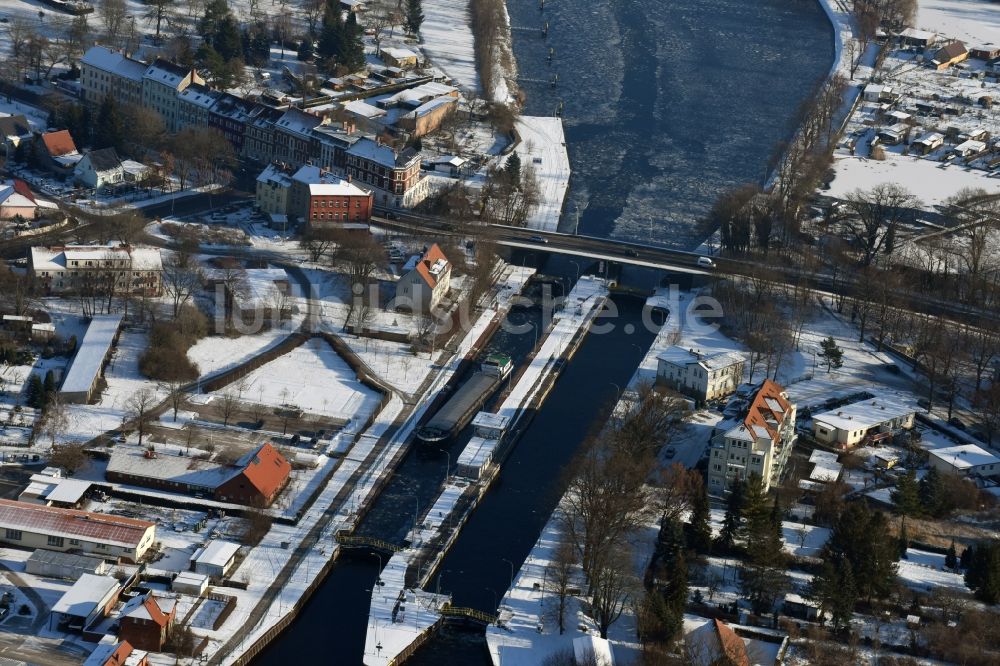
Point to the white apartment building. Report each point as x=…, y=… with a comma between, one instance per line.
x=759, y=444
x=861, y=422
x=161, y=83
x=700, y=376
x=72, y=268
x=105, y=71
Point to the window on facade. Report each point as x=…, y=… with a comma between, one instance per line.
x=55, y=541
x=14, y=535
x=74, y=542
x=101, y=546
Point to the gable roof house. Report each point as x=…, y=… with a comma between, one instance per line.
x=58, y=151
x=100, y=168
x=147, y=620
x=14, y=130
x=326, y=200
x=105, y=72
x=394, y=175
x=90, y=598
x=194, y=105
x=426, y=282
x=759, y=444
x=948, y=55
x=112, y=652
x=16, y=200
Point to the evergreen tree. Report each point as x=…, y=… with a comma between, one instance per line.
x=832, y=355
x=305, y=52
x=215, y=12
x=845, y=596
x=763, y=578
x=966, y=557
x=414, y=16
x=983, y=574
x=512, y=168
x=933, y=494
x=331, y=34
x=726, y=540
x=699, y=532
x=227, y=40
x=906, y=497
x=862, y=537
x=50, y=382
x=903, y=541
x=353, y=55
x=109, y=129
x=951, y=557
x=36, y=396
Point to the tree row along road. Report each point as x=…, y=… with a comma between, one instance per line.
x=638, y=254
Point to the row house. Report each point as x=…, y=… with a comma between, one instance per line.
x=105, y=71
x=194, y=106
x=161, y=84
x=758, y=445
x=293, y=141
x=334, y=142
x=230, y=115
x=394, y=175
x=258, y=141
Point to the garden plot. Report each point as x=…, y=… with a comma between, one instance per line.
x=313, y=378
x=925, y=571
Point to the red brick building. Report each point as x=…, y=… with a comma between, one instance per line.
x=263, y=474
x=116, y=654
x=146, y=622
x=327, y=201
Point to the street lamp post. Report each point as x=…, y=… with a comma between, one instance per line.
x=511, y=571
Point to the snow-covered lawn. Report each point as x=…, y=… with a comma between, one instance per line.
x=315, y=379
x=976, y=22
x=923, y=570
x=931, y=181
x=803, y=540
x=446, y=38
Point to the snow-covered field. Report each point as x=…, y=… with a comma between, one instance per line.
x=313, y=378
x=543, y=147
x=924, y=571
x=974, y=21
x=447, y=40
x=932, y=182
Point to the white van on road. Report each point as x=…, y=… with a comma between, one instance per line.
x=706, y=262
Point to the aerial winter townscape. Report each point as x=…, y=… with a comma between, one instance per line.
x=499, y=333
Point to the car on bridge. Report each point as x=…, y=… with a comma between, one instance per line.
x=706, y=262
x=538, y=239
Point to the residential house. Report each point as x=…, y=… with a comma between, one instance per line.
x=293, y=136
x=327, y=201
x=985, y=52
x=864, y=422
x=14, y=130
x=194, y=106
x=453, y=165
x=965, y=460
x=426, y=282
x=394, y=175
x=759, y=444
x=161, y=83
x=76, y=268
x=948, y=55
x=876, y=92
x=701, y=376
x=273, y=187
x=968, y=148
x=399, y=57
x=714, y=642
x=253, y=480
x=33, y=526
x=89, y=599
x=99, y=169
x=112, y=652
x=17, y=201
x=58, y=151
x=928, y=143
x=258, y=140
x=230, y=115
x=147, y=621
x=333, y=144
x=108, y=72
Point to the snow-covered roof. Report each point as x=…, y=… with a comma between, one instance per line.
x=68, y=491
x=476, y=453
x=325, y=183
x=913, y=33
x=398, y=53
x=818, y=454
x=373, y=151
x=166, y=73
x=420, y=93
x=216, y=553
x=965, y=456
x=435, y=103
x=865, y=414
x=969, y=147
x=274, y=174
x=55, y=258
x=113, y=62
x=298, y=122
x=193, y=472
x=199, y=95
x=681, y=357
x=90, y=353
x=931, y=139
x=87, y=593
x=825, y=471
x=490, y=420
x=364, y=109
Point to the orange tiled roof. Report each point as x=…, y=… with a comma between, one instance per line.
x=59, y=143
x=431, y=257
x=768, y=408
